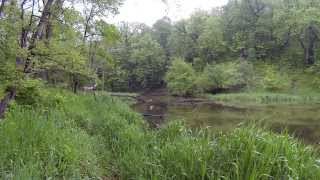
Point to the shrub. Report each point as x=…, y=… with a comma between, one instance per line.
x=29, y=92
x=247, y=74
x=273, y=80
x=314, y=75
x=226, y=75
x=181, y=78
x=7, y=75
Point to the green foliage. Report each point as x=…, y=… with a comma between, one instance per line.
x=147, y=59
x=139, y=61
x=247, y=72
x=313, y=73
x=211, y=40
x=56, y=135
x=231, y=75
x=252, y=154
x=219, y=76
x=226, y=75
x=108, y=32
x=57, y=46
x=7, y=74
x=162, y=30
x=62, y=55
x=44, y=145
x=135, y=56
x=9, y=48
x=251, y=98
x=87, y=137
x=250, y=30
x=181, y=78
x=29, y=92
x=274, y=80
x=181, y=42
x=33, y=93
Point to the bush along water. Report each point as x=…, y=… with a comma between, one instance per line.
x=92, y=138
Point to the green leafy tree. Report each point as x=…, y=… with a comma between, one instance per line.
x=212, y=45
x=161, y=32
x=228, y=75
x=274, y=80
x=181, y=78
x=149, y=60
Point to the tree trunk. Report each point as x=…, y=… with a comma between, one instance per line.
x=44, y=19
x=309, y=46
x=310, y=57
x=252, y=55
x=103, y=80
x=58, y=9
x=24, y=32
x=75, y=83
x=86, y=29
x=42, y=23
x=5, y=102
x=2, y=7
x=303, y=46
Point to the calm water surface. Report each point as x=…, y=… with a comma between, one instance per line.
x=302, y=121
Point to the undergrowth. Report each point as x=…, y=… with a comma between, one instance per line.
x=87, y=137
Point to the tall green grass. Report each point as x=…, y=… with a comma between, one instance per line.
x=265, y=98
x=36, y=144
x=87, y=137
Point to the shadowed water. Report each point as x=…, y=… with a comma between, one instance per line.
x=301, y=121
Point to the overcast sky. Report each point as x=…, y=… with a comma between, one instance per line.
x=148, y=11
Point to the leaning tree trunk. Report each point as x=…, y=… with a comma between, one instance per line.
x=43, y=26
x=43, y=22
x=2, y=7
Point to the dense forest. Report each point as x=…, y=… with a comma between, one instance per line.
x=65, y=73
x=275, y=39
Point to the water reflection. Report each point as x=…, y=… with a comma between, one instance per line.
x=302, y=121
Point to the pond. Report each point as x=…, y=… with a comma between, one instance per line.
x=301, y=121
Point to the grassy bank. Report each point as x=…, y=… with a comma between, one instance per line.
x=85, y=137
x=252, y=98
x=129, y=98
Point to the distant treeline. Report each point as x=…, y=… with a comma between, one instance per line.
x=284, y=33
x=67, y=47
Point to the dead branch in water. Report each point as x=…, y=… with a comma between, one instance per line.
x=153, y=115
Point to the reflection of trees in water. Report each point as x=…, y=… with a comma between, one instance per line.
x=154, y=112
x=300, y=121
x=310, y=134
